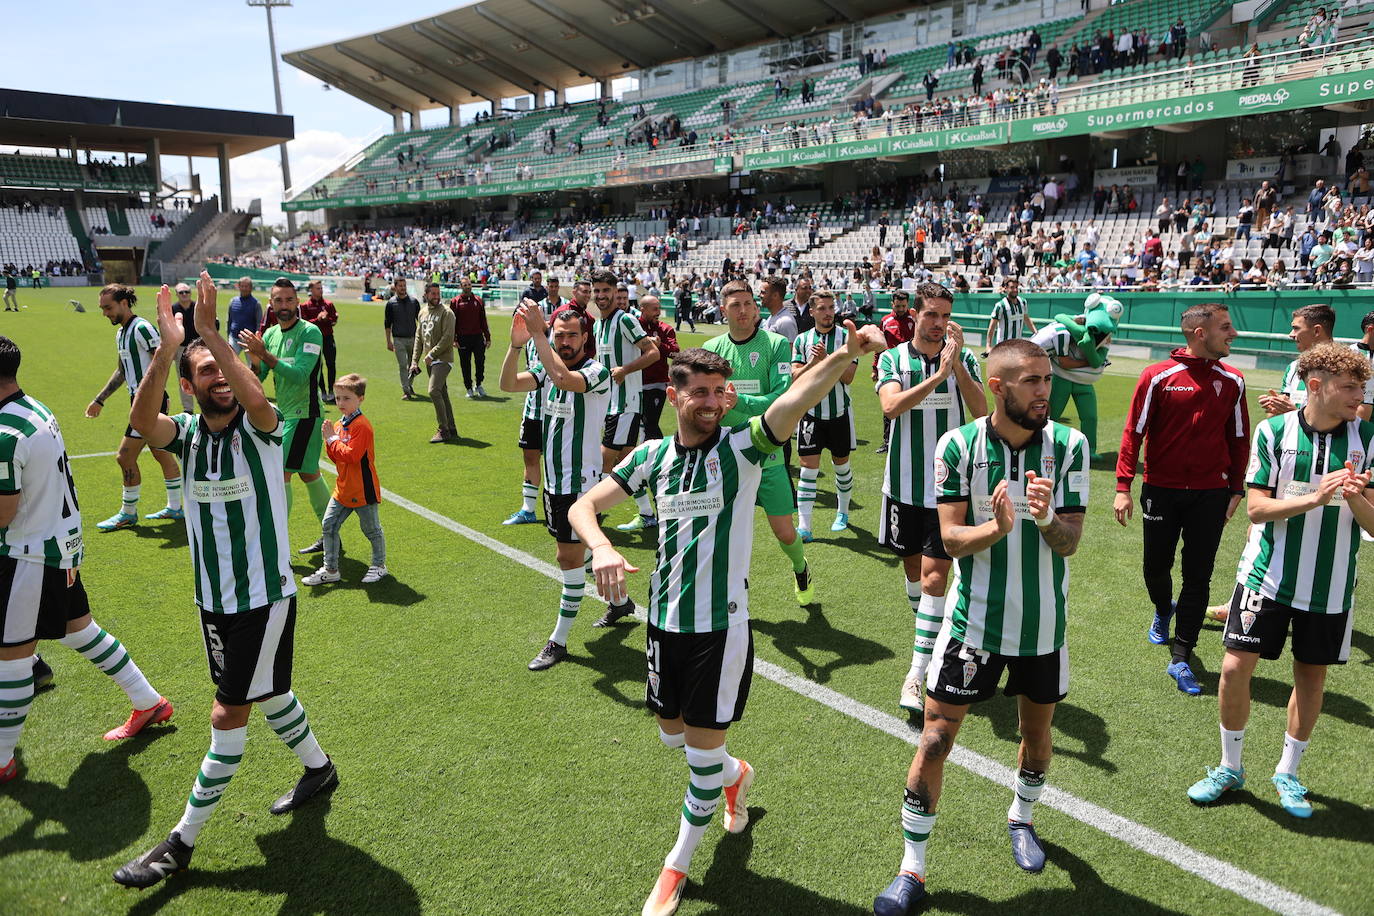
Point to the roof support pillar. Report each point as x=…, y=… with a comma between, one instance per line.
x=226, y=194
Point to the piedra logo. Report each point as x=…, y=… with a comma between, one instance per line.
x=1263, y=99
x=1057, y=126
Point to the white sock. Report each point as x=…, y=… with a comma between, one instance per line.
x=703, y=794
x=916, y=828
x=287, y=717
x=1292, y=755
x=844, y=486
x=110, y=657
x=173, y=492
x=806, y=496
x=529, y=495
x=930, y=615
x=1232, y=743
x=673, y=742
x=574, y=586
x=16, y=696
x=919, y=660
x=218, y=767
x=130, y=506
x=646, y=507
x=730, y=774
x=1025, y=793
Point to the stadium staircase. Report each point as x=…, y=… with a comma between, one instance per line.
x=83, y=240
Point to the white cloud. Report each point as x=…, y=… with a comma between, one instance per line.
x=259, y=174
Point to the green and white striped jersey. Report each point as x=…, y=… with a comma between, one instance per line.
x=617, y=341
x=1058, y=343
x=534, y=401
x=573, y=424
x=1294, y=386
x=136, y=342
x=1011, y=320
x=705, y=499
x=1367, y=354
x=914, y=434
x=837, y=402
x=1308, y=561
x=33, y=463
x=1011, y=599
x=235, y=512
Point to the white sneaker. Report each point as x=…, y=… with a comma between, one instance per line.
x=911, y=692
x=481, y=392
x=374, y=574
x=471, y=394
x=321, y=576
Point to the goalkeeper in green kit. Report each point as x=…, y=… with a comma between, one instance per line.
x=762, y=364
x=290, y=352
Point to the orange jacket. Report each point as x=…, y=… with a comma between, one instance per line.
x=356, y=460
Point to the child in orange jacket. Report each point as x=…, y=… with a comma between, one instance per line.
x=356, y=489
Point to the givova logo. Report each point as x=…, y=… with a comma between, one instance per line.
x=1043, y=128
x=1264, y=99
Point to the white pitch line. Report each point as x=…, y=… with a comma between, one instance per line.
x=1151, y=842
x=93, y=455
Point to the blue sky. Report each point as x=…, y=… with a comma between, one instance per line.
x=211, y=53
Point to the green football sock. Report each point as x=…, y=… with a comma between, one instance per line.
x=318, y=491
x=795, y=552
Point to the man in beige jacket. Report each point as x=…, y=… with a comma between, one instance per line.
x=434, y=347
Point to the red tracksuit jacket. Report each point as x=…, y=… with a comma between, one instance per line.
x=1193, y=411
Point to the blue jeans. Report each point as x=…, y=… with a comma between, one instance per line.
x=368, y=520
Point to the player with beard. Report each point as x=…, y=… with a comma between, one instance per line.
x=926, y=387
x=699, y=646
x=135, y=342
x=575, y=391
x=290, y=351
x=1013, y=489
x=232, y=456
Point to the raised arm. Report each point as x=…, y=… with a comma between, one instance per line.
x=245, y=385
x=146, y=416
x=782, y=417
x=512, y=380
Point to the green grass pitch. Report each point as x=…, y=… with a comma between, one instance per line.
x=471, y=785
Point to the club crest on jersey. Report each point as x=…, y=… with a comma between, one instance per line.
x=1247, y=620
x=970, y=670
x=235, y=444
x=1216, y=386
x=754, y=359
x=1047, y=466
x=713, y=469
x=1356, y=459
x=941, y=471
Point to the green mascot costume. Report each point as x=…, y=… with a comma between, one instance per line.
x=1077, y=346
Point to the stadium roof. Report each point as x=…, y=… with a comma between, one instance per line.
x=45, y=119
x=495, y=49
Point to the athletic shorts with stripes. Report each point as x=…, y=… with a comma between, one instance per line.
x=702, y=677
x=38, y=601
x=250, y=653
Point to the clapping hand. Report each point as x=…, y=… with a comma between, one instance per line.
x=1039, y=494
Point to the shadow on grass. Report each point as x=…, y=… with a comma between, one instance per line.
x=104, y=807
x=1332, y=818
x=1070, y=721
x=170, y=535
x=468, y=442
x=860, y=540
x=800, y=640
x=617, y=662
x=313, y=871
x=1089, y=894
x=1273, y=692
x=733, y=888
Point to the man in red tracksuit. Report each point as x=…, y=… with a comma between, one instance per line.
x=471, y=334
x=320, y=312
x=898, y=327
x=1191, y=408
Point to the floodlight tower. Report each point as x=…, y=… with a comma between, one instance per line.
x=276, y=87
